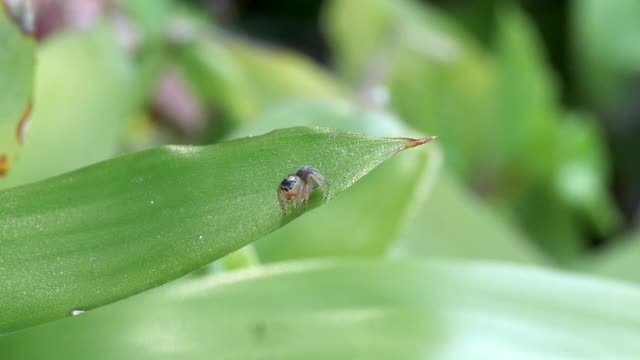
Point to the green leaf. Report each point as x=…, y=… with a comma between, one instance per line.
x=84, y=86
x=17, y=58
x=218, y=79
x=361, y=28
x=357, y=223
x=151, y=17
x=582, y=177
x=442, y=82
x=355, y=30
x=243, y=78
x=548, y=220
x=349, y=310
x=607, y=48
x=620, y=261
x=452, y=222
x=527, y=103
x=104, y=232
x=276, y=73
x=439, y=81
x=524, y=158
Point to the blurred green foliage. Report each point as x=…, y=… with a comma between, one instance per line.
x=75, y=122
x=500, y=115
x=17, y=54
x=244, y=79
x=530, y=168
x=351, y=309
x=606, y=38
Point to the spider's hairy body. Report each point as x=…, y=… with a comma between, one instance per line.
x=296, y=188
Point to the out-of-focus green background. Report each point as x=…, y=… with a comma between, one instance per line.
x=536, y=105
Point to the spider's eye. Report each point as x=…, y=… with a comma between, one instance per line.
x=288, y=184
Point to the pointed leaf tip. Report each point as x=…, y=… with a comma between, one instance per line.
x=417, y=142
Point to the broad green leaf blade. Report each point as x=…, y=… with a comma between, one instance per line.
x=84, y=96
x=17, y=58
x=360, y=224
x=356, y=310
x=452, y=222
x=96, y=235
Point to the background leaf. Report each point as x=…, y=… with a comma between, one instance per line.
x=526, y=156
x=243, y=78
x=452, y=222
x=526, y=102
x=607, y=51
x=583, y=175
x=93, y=236
x=17, y=58
x=620, y=261
x=606, y=70
x=438, y=81
x=346, y=310
x=84, y=98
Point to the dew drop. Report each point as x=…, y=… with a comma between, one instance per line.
x=200, y=237
x=77, y=312
x=152, y=202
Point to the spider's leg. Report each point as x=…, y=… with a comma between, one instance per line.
x=283, y=204
x=306, y=193
x=318, y=181
x=300, y=196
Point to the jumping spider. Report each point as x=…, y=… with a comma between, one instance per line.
x=296, y=188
